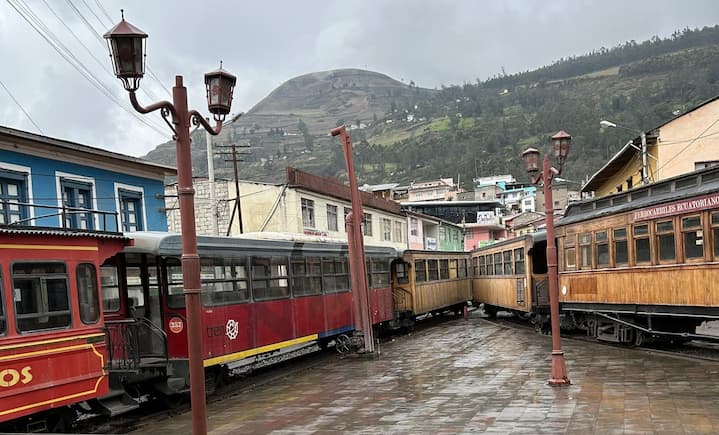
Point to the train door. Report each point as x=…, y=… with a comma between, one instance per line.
x=143, y=291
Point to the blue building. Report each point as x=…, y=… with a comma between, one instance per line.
x=47, y=182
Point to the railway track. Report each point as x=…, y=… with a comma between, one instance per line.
x=695, y=349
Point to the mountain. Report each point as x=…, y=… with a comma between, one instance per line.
x=403, y=133
x=293, y=121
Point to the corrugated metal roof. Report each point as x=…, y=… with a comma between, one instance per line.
x=40, y=231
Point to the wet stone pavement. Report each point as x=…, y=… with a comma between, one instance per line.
x=473, y=376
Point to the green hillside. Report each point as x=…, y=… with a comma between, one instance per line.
x=478, y=128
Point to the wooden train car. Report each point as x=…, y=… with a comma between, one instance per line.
x=511, y=275
x=261, y=294
x=643, y=263
x=429, y=282
x=52, y=342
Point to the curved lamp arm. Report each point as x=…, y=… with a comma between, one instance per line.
x=198, y=120
x=166, y=109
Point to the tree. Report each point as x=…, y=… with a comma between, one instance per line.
x=309, y=140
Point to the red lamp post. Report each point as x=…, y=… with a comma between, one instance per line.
x=561, y=143
x=358, y=266
x=127, y=50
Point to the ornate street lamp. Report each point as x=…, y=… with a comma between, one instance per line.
x=561, y=143
x=127, y=50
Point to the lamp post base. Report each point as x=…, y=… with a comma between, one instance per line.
x=559, y=371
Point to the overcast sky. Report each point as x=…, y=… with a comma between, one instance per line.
x=267, y=42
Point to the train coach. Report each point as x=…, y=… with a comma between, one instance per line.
x=427, y=282
x=511, y=276
x=52, y=341
x=643, y=264
x=262, y=294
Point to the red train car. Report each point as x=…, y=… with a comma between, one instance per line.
x=52, y=342
x=262, y=294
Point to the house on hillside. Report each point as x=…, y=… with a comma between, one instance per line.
x=688, y=142
x=48, y=182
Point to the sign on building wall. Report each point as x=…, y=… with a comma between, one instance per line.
x=430, y=244
x=485, y=217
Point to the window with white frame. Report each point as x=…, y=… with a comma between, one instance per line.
x=367, y=224
x=331, y=217
x=386, y=229
x=413, y=226
x=77, y=203
x=131, y=218
x=13, y=193
x=398, y=232
x=308, y=213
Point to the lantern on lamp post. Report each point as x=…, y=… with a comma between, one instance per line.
x=127, y=50
x=561, y=143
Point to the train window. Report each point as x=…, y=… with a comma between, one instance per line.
x=693, y=237
x=570, y=252
x=335, y=275
x=175, y=295
x=602, y=243
x=269, y=278
x=621, y=249
x=87, y=294
x=715, y=234
x=490, y=264
x=40, y=293
x=507, y=262
x=420, y=271
x=306, y=276
x=400, y=270
x=224, y=280
x=480, y=266
x=665, y=240
x=379, y=272
x=585, y=251
x=453, y=268
x=432, y=270
x=110, y=285
x=443, y=269
x=519, y=261
x=462, y=268
x=642, y=252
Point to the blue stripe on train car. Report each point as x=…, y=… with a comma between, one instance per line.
x=334, y=332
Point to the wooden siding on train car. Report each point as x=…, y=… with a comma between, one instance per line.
x=501, y=290
x=663, y=283
x=689, y=285
x=435, y=295
x=423, y=297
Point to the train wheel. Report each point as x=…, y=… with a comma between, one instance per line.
x=343, y=344
x=490, y=310
x=638, y=338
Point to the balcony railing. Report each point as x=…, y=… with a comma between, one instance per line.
x=132, y=342
x=42, y=215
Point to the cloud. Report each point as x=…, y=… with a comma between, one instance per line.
x=432, y=42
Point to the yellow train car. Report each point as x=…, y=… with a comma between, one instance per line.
x=511, y=276
x=429, y=282
x=643, y=264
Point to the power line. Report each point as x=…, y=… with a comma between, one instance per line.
x=21, y=108
x=688, y=145
x=36, y=23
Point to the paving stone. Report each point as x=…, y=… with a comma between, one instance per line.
x=468, y=377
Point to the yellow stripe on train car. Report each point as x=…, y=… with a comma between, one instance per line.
x=258, y=350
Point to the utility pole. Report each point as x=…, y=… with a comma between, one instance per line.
x=237, y=208
x=211, y=179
